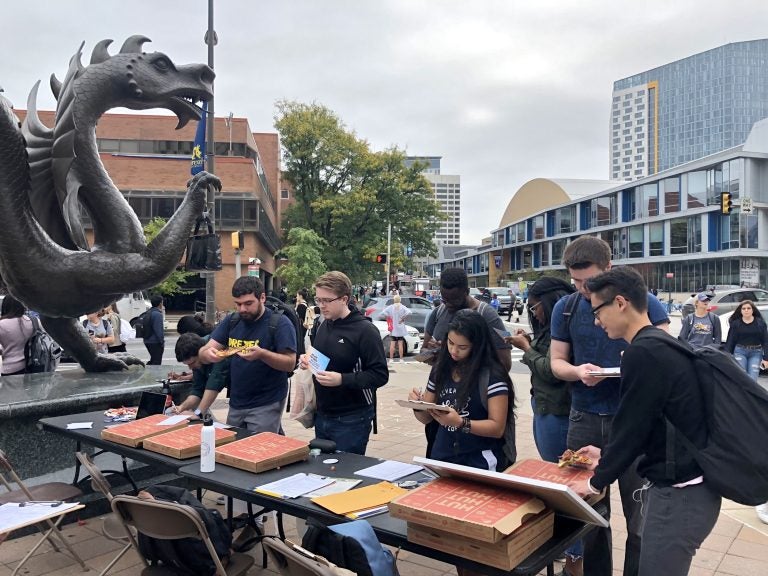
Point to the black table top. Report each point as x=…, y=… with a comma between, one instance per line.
x=240, y=484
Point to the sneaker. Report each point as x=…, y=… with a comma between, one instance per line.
x=762, y=512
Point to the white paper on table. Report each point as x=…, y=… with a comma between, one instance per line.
x=171, y=420
x=389, y=470
x=221, y=425
x=339, y=485
x=317, y=361
x=294, y=486
x=79, y=425
x=13, y=514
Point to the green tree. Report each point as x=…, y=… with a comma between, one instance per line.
x=304, y=251
x=172, y=284
x=348, y=194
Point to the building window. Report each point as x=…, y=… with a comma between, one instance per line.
x=538, y=227
x=748, y=236
x=685, y=235
x=284, y=194
x=604, y=210
x=671, y=190
x=545, y=254
x=656, y=239
x=729, y=231
x=558, y=246
x=635, y=242
x=696, y=193
x=648, y=200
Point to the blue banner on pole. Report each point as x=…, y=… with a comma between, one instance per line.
x=198, y=149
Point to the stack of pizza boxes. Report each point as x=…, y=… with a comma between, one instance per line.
x=482, y=522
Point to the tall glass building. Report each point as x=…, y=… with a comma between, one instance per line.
x=687, y=109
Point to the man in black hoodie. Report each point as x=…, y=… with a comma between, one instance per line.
x=346, y=390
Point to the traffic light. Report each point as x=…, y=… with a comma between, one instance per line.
x=726, y=205
x=237, y=240
x=381, y=258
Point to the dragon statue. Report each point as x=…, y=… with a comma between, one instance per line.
x=50, y=178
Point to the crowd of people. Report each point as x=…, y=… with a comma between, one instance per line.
x=604, y=318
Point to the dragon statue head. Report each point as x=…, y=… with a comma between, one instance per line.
x=140, y=80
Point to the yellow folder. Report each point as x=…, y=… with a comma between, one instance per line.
x=360, y=498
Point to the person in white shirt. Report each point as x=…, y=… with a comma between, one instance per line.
x=396, y=314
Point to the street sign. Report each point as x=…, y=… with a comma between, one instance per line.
x=669, y=275
x=746, y=205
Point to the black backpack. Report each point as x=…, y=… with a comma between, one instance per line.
x=41, y=352
x=187, y=555
x=142, y=324
x=736, y=414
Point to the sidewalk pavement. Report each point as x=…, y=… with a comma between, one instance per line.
x=738, y=545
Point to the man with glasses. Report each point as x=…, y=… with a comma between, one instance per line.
x=345, y=390
x=657, y=384
x=454, y=295
x=578, y=349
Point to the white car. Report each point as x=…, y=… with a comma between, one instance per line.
x=725, y=324
x=412, y=339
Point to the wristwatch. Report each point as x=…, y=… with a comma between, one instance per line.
x=466, y=425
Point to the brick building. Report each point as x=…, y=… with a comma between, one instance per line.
x=149, y=161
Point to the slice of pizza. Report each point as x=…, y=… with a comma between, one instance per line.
x=570, y=458
x=227, y=352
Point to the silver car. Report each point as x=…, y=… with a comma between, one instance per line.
x=420, y=309
x=728, y=300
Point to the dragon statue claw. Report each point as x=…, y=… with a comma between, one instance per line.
x=51, y=176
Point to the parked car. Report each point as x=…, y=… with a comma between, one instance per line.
x=411, y=344
x=505, y=300
x=727, y=300
x=420, y=309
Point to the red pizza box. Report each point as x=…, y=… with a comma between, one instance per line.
x=477, y=511
x=134, y=433
x=548, y=471
x=184, y=443
x=505, y=554
x=262, y=452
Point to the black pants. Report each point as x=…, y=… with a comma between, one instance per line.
x=155, y=353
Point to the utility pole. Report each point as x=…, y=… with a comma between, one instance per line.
x=210, y=278
x=389, y=248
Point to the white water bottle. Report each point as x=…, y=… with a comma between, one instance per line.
x=207, y=444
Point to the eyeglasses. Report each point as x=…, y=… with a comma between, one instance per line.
x=596, y=309
x=326, y=301
x=533, y=307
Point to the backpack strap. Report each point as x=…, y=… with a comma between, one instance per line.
x=485, y=376
x=571, y=304
x=274, y=322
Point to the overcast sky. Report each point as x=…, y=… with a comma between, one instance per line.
x=504, y=90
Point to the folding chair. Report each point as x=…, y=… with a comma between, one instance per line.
x=171, y=521
x=111, y=526
x=49, y=491
x=293, y=560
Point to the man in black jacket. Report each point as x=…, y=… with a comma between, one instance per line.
x=346, y=390
x=658, y=382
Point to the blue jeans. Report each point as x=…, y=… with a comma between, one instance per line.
x=749, y=360
x=350, y=431
x=550, y=433
x=585, y=429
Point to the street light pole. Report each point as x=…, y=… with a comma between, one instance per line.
x=389, y=248
x=210, y=278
